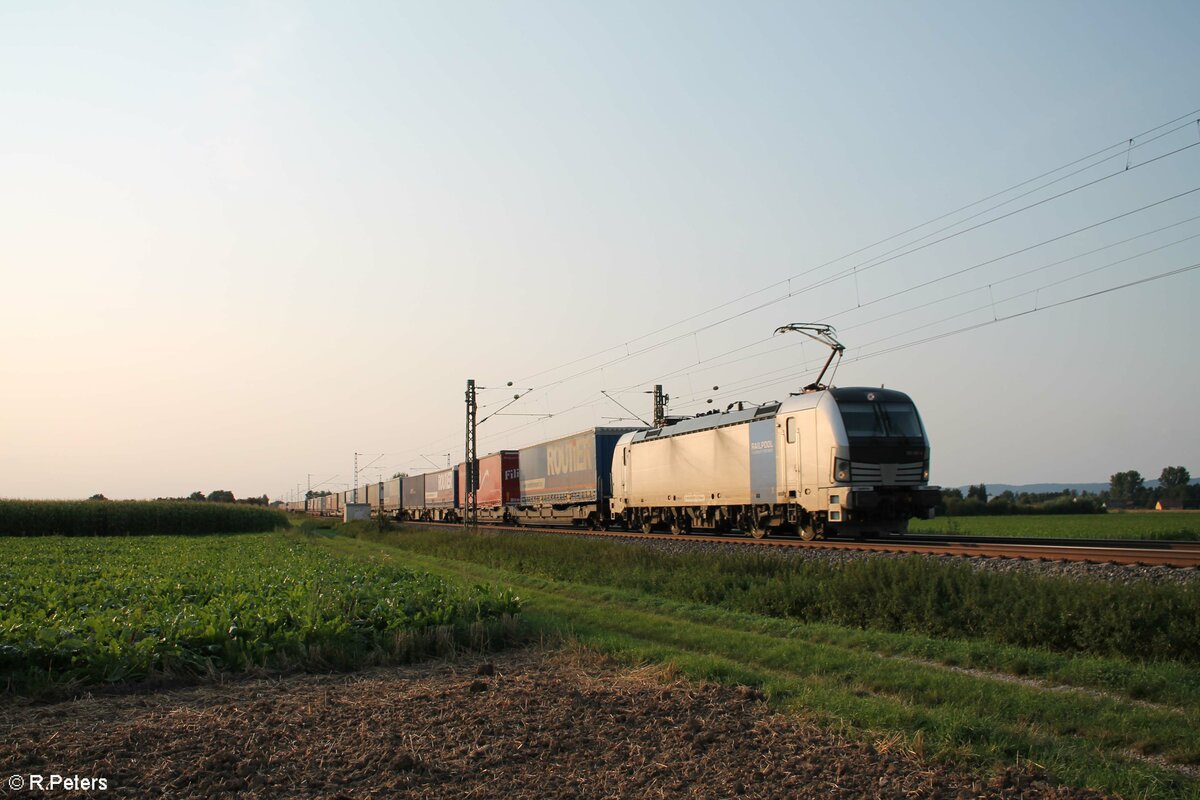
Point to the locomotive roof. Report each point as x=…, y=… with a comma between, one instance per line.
x=769, y=410
x=708, y=421
x=868, y=394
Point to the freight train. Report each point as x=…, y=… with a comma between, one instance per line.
x=825, y=462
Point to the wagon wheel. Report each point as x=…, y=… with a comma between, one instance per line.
x=756, y=526
x=680, y=524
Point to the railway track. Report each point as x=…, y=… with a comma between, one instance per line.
x=1098, y=551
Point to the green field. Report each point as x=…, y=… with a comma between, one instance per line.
x=132, y=518
x=1099, y=683
x=1167, y=525
x=1114, y=721
x=87, y=610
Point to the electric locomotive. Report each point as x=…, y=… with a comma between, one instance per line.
x=825, y=462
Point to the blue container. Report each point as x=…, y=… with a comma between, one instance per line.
x=573, y=469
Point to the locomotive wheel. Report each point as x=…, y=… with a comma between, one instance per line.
x=647, y=525
x=756, y=527
x=679, y=525
x=808, y=532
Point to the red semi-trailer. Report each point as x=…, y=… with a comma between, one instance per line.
x=499, y=485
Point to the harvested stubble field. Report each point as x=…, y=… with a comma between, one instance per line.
x=528, y=725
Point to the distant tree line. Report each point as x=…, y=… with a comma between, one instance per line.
x=1126, y=490
x=215, y=496
x=977, y=503
x=1129, y=490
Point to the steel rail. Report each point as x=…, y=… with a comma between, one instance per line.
x=1129, y=552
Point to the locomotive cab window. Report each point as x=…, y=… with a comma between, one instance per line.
x=881, y=420
x=791, y=430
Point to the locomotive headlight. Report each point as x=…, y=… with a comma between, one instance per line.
x=841, y=470
x=925, y=472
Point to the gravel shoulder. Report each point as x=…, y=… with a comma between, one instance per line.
x=527, y=724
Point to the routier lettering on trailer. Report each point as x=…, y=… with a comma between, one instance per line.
x=569, y=457
x=445, y=481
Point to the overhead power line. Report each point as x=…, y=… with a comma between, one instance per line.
x=856, y=269
x=1122, y=143
x=805, y=369
x=902, y=250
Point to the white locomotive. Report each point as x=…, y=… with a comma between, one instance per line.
x=825, y=462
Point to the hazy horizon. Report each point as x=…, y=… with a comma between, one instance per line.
x=243, y=242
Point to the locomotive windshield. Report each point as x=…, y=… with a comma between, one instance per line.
x=881, y=420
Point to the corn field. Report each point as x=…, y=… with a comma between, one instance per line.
x=132, y=518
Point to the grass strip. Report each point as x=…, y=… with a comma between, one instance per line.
x=1157, y=681
x=911, y=594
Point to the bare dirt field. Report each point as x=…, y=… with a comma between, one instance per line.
x=527, y=724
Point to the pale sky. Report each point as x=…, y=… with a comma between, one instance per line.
x=241, y=242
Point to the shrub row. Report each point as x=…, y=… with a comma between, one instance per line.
x=131, y=518
x=999, y=506
x=913, y=594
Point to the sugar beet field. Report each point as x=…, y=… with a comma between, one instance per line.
x=997, y=684
x=108, y=609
